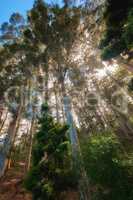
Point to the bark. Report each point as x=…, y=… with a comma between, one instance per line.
x=6, y=154
x=32, y=131
x=2, y=100
x=12, y=132
x=56, y=103
x=46, y=85
x=3, y=122
x=83, y=183
x=67, y=109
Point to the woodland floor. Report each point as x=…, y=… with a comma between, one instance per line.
x=11, y=187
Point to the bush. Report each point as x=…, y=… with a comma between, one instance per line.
x=110, y=52
x=109, y=170
x=52, y=171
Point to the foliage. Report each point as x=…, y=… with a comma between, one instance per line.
x=50, y=26
x=110, y=52
x=119, y=24
x=109, y=169
x=52, y=170
x=130, y=85
x=54, y=26
x=128, y=32
x=12, y=30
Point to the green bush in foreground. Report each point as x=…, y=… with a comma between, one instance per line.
x=52, y=171
x=110, y=171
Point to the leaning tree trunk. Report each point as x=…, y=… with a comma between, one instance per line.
x=5, y=155
x=32, y=127
x=2, y=100
x=12, y=132
x=3, y=121
x=32, y=131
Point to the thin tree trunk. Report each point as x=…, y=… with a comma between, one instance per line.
x=56, y=103
x=3, y=122
x=46, y=85
x=13, y=129
x=32, y=131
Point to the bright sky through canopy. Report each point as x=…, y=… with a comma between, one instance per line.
x=7, y=7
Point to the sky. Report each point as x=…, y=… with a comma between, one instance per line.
x=7, y=7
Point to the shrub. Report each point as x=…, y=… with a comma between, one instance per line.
x=109, y=52
x=110, y=171
x=52, y=171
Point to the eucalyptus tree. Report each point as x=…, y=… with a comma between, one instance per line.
x=56, y=28
x=17, y=68
x=57, y=32
x=12, y=30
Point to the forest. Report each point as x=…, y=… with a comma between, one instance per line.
x=66, y=101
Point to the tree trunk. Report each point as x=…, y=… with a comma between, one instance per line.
x=32, y=131
x=46, y=85
x=56, y=103
x=83, y=182
x=3, y=122
x=13, y=129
